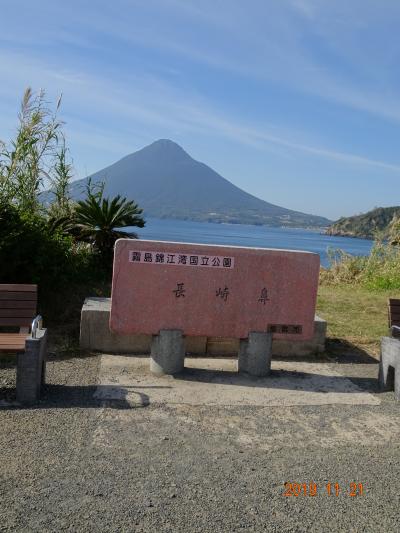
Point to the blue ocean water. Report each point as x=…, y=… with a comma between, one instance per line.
x=246, y=235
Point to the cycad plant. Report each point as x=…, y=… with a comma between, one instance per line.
x=98, y=219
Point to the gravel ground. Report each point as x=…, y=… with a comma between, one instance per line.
x=76, y=464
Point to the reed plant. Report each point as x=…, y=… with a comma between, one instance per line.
x=27, y=161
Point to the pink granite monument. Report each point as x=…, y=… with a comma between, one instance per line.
x=213, y=291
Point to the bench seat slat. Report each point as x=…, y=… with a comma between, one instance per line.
x=18, y=304
x=18, y=343
x=16, y=321
x=17, y=308
x=5, y=337
x=17, y=313
x=12, y=341
x=18, y=288
x=14, y=295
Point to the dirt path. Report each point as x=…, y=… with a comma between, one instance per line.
x=82, y=462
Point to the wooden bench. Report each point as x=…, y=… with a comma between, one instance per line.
x=394, y=317
x=21, y=333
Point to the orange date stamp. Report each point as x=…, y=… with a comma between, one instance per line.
x=328, y=489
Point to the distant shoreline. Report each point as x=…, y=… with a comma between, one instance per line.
x=250, y=235
x=319, y=229
x=365, y=238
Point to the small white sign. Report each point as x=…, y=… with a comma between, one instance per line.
x=181, y=259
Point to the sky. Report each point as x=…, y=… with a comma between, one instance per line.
x=294, y=101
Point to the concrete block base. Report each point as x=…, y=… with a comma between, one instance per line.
x=95, y=331
x=389, y=366
x=167, y=355
x=255, y=354
x=31, y=369
x=96, y=335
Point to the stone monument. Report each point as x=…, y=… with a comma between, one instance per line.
x=171, y=290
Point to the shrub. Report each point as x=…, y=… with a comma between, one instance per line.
x=380, y=270
x=33, y=252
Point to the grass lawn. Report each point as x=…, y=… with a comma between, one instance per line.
x=355, y=315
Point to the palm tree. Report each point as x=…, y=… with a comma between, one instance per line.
x=98, y=220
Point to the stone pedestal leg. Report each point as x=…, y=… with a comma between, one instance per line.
x=167, y=354
x=397, y=383
x=31, y=371
x=255, y=354
x=389, y=365
x=386, y=376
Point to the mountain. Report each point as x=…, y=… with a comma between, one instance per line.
x=367, y=225
x=167, y=183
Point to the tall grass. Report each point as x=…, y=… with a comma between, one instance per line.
x=28, y=159
x=378, y=271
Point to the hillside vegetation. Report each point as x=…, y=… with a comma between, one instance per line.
x=375, y=223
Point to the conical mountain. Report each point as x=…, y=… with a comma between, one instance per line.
x=168, y=183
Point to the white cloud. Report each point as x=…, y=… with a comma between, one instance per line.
x=266, y=41
x=155, y=104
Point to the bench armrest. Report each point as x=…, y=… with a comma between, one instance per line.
x=395, y=329
x=37, y=323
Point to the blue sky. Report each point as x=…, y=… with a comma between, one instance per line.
x=295, y=101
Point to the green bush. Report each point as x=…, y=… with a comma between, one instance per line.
x=33, y=252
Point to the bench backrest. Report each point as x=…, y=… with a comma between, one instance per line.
x=394, y=315
x=17, y=305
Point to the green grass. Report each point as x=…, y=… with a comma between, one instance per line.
x=355, y=315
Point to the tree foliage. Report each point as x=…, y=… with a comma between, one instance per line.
x=31, y=252
x=372, y=225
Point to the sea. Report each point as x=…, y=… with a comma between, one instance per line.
x=253, y=236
